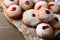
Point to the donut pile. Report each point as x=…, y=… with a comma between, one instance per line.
x=37, y=14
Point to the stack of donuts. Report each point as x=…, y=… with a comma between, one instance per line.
x=38, y=14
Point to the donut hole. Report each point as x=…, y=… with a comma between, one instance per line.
x=47, y=12
x=13, y=9
x=11, y=0
x=56, y=19
x=33, y=15
x=27, y=2
x=39, y=7
x=45, y=27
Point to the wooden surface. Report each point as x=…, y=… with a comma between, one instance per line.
x=7, y=31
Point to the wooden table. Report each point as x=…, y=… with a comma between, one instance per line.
x=7, y=31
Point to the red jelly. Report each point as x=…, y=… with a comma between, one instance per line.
x=33, y=15
x=51, y=5
x=39, y=7
x=11, y=0
x=47, y=12
x=13, y=9
x=45, y=27
x=27, y=2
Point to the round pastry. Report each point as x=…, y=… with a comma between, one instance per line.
x=40, y=4
x=44, y=30
x=35, y=1
x=26, y=4
x=7, y=3
x=57, y=21
x=54, y=7
x=30, y=18
x=14, y=11
x=45, y=15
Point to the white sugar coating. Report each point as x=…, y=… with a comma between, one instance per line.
x=8, y=2
x=35, y=1
x=45, y=14
x=44, y=33
x=42, y=39
x=41, y=3
x=57, y=24
x=11, y=13
x=29, y=19
x=58, y=16
x=26, y=6
x=57, y=1
x=55, y=7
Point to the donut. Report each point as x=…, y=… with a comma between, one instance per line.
x=45, y=15
x=26, y=4
x=54, y=7
x=35, y=1
x=44, y=30
x=30, y=18
x=7, y=3
x=40, y=4
x=14, y=11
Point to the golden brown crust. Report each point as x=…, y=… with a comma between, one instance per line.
x=15, y=17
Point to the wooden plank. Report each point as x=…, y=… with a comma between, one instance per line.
x=7, y=31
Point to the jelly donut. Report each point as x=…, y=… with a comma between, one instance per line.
x=44, y=30
x=14, y=11
x=45, y=15
x=54, y=7
x=40, y=4
x=26, y=4
x=57, y=21
x=35, y=1
x=30, y=18
x=7, y=3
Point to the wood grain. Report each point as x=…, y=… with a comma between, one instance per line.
x=7, y=31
